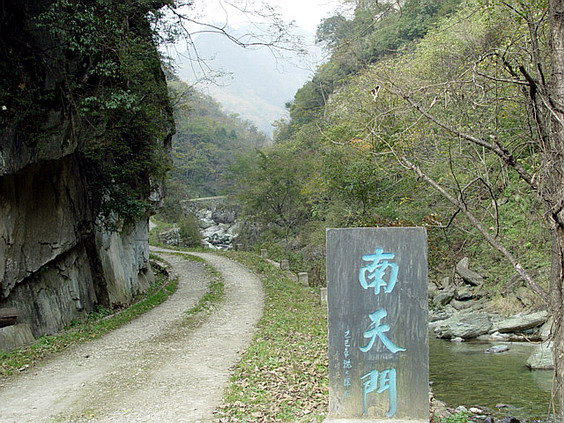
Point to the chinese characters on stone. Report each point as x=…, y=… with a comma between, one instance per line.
x=381, y=273
x=347, y=365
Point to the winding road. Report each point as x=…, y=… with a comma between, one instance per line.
x=154, y=369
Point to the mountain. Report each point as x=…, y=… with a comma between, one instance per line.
x=254, y=82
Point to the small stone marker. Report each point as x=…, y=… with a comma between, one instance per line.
x=323, y=295
x=303, y=278
x=378, y=346
x=238, y=247
x=264, y=253
x=284, y=264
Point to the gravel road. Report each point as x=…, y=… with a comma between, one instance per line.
x=154, y=369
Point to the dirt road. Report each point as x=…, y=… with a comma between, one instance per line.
x=154, y=369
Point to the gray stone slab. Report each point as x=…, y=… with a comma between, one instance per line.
x=378, y=345
x=16, y=336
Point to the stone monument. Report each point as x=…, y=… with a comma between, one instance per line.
x=378, y=345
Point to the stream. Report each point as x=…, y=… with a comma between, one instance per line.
x=463, y=374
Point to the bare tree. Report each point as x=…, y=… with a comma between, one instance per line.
x=539, y=74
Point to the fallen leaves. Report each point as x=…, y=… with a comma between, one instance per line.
x=283, y=375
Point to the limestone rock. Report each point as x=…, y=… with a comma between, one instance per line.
x=464, y=293
x=521, y=322
x=443, y=298
x=542, y=358
x=16, y=336
x=464, y=325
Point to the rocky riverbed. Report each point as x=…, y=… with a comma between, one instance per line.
x=460, y=312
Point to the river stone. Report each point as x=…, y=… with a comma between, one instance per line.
x=437, y=316
x=461, y=305
x=541, y=358
x=497, y=349
x=521, y=322
x=464, y=325
x=464, y=293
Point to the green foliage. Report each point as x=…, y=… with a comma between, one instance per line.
x=460, y=417
x=207, y=142
x=270, y=189
x=450, y=58
x=374, y=33
x=189, y=231
x=95, y=66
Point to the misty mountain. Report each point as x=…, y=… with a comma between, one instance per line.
x=254, y=83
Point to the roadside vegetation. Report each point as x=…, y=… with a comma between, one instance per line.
x=282, y=377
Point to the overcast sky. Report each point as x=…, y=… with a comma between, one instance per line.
x=306, y=13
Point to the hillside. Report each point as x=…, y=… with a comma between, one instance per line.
x=339, y=160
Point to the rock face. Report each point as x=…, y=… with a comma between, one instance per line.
x=57, y=261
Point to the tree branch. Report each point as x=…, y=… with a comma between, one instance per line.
x=536, y=288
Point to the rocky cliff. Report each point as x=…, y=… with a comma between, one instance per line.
x=74, y=194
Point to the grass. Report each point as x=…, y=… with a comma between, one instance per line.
x=211, y=299
x=282, y=377
x=98, y=323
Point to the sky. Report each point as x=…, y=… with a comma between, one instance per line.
x=306, y=13
x=290, y=71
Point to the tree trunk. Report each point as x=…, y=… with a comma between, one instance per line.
x=554, y=176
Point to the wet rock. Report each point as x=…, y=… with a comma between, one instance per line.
x=497, y=349
x=542, y=358
x=521, y=322
x=464, y=325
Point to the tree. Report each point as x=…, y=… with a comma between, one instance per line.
x=505, y=69
x=270, y=189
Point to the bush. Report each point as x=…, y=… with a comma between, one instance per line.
x=189, y=231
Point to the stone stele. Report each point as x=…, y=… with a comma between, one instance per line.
x=378, y=345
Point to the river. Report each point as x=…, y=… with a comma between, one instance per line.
x=463, y=374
